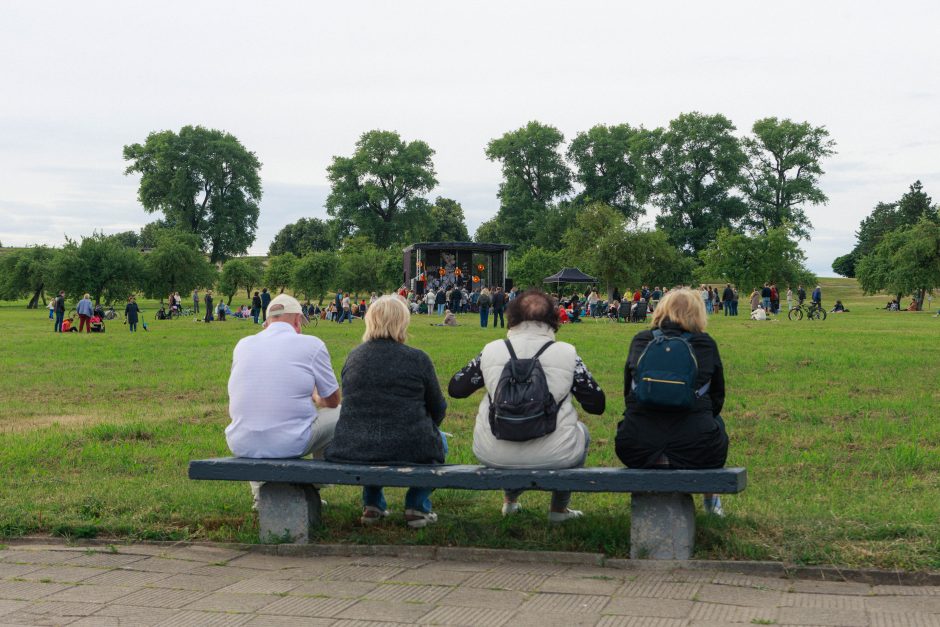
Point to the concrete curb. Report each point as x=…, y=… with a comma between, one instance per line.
x=871, y=576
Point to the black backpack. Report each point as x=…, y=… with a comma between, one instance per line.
x=523, y=408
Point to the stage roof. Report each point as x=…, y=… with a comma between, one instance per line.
x=479, y=246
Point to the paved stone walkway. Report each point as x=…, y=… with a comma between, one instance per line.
x=203, y=586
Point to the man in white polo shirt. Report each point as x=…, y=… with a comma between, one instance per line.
x=283, y=394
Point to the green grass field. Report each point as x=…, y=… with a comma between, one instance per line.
x=835, y=421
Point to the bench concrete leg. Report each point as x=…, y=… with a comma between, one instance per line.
x=287, y=512
x=662, y=526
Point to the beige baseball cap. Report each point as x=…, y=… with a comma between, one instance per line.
x=284, y=304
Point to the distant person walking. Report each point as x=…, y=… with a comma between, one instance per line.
x=208, y=306
x=85, y=311
x=131, y=311
x=256, y=307
x=499, y=306
x=59, y=311
x=195, y=301
x=265, y=301
x=484, y=302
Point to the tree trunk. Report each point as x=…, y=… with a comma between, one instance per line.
x=230, y=296
x=34, y=301
x=920, y=298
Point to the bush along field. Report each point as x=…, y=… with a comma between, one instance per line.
x=836, y=422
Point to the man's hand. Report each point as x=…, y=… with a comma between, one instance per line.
x=331, y=401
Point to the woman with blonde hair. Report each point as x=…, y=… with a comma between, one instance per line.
x=671, y=434
x=392, y=409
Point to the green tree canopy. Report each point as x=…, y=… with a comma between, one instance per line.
x=905, y=261
x=204, y=182
x=535, y=175
x=528, y=269
x=25, y=273
x=782, y=173
x=365, y=267
x=748, y=261
x=240, y=273
x=443, y=222
x=176, y=264
x=844, y=265
x=100, y=265
x=609, y=165
x=377, y=189
x=304, y=236
x=279, y=274
x=695, y=165
x=131, y=239
x=315, y=274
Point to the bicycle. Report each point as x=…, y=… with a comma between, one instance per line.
x=815, y=311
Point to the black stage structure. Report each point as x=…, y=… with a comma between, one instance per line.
x=470, y=264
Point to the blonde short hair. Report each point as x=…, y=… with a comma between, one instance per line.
x=683, y=307
x=387, y=317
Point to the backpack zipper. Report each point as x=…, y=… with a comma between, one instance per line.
x=650, y=379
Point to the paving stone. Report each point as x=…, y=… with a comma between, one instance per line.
x=901, y=605
x=467, y=616
x=260, y=561
x=362, y=573
x=290, y=621
x=730, y=595
x=552, y=619
x=306, y=606
x=827, y=601
x=126, y=578
x=204, y=619
x=208, y=554
x=659, y=590
x=91, y=594
x=658, y=608
x=905, y=591
x=530, y=569
x=747, y=581
x=640, y=621
x=731, y=613
x=431, y=576
x=26, y=556
x=408, y=593
x=315, y=569
x=229, y=602
x=130, y=615
x=106, y=560
x=63, y=608
x=505, y=581
x=162, y=598
x=480, y=597
x=579, y=585
x=386, y=611
x=831, y=587
x=63, y=574
x=25, y=619
x=164, y=565
x=595, y=572
x=9, y=571
x=913, y=619
x=229, y=571
x=389, y=561
x=334, y=589
x=820, y=616
x=565, y=603
x=28, y=590
x=261, y=585
x=465, y=566
x=194, y=582
x=11, y=606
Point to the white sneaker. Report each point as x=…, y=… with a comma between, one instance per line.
x=713, y=506
x=560, y=517
x=372, y=515
x=511, y=508
x=416, y=519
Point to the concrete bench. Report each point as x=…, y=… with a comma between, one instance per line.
x=663, y=515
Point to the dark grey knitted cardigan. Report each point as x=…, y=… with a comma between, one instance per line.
x=392, y=406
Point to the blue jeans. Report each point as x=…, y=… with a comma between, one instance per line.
x=51, y=313
x=132, y=326
x=766, y=304
x=484, y=316
x=441, y=308
x=708, y=306
x=59, y=315
x=415, y=498
x=254, y=315
x=727, y=307
x=498, y=315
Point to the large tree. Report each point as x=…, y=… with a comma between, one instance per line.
x=204, y=182
x=695, y=165
x=100, y=265
x=748, y=261
x=905, y=261
x=241, y=273
x=535, y=175
x=315, y=274
x=25, y=273
x=176, y=264
x=376, y=190
x=280, y=272
x=443, y=222
x=365, y=267
x=528, y=269
x=782, y=173
x=304, y=236
x=609, y=166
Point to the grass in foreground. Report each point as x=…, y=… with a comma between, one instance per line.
x=835, y=421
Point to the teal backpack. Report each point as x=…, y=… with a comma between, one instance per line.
x=666, y=372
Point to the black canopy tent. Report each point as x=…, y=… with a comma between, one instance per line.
x=569, y=275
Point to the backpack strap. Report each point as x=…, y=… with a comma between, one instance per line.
x=543, y=349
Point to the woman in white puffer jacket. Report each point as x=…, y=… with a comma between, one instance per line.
x=533, y=322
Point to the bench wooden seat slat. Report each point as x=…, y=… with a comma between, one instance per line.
x=468, y=477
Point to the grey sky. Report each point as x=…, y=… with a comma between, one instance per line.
x=298, y=82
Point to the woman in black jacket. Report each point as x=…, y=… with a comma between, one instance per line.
x=256, y=307
x=392, y=409
x=659, y=437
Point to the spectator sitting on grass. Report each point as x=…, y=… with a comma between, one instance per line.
x=282, y=391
